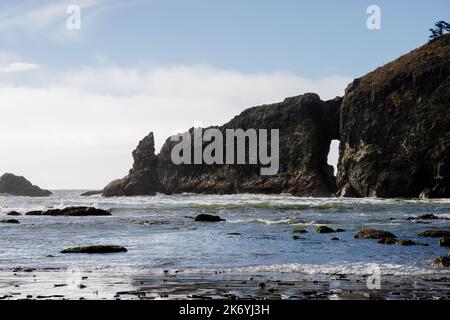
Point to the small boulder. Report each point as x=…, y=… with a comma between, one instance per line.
x=442, y=261
x=14, y=221
x=434, y=233
x=300, y=230
x=374, y=234
x=324, y=229
x=13, y=213
x=95, y=249
x=208, y=218
x=334, y=239
x=403, y=242
x=444, y=242
x=387, y=241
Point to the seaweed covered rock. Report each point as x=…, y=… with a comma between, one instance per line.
x=434, y=233
x=374, y=234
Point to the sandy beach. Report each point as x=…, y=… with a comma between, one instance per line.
x=172, y=285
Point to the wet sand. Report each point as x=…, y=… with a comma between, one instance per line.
x=135, y=285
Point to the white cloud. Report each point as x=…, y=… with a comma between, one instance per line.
x=19, y=67
x=77, y=129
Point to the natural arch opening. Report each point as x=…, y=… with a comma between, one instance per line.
x=333, y=155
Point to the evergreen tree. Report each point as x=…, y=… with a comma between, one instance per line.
x=441, y=27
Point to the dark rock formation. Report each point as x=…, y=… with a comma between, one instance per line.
x=428, y=216
x=395, y=128
x=444, y=242
x=401, y=242
x=95, y=249
x=19, y=186
x=208, y=218
x=142, y=178
x=91, y=193
x=324, y=229
x=13, y=213
x=434, y=233
x=307, y=125
x=443, y=261
x=374, y=234
x=71, y=211
x=13, y=221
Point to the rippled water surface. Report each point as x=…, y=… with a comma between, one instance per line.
x=159, y=233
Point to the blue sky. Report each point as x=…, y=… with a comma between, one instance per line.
x=312, y=38
x=80, y=100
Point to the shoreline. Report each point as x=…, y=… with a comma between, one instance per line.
x=173, y=285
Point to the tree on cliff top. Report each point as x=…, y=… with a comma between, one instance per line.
x=441, y=27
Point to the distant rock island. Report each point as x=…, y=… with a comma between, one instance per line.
x=19, y=186
x=394, y=130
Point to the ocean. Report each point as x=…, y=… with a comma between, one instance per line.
x=257, y=236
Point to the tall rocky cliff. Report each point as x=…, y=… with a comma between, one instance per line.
x=395, y=128
x=393, y=124
x=306, y=127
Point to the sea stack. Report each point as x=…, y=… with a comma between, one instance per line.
x=19, y=186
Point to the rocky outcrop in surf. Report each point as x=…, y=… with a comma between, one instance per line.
x=19, y=186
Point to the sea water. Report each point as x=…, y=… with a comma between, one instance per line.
x=257, y=236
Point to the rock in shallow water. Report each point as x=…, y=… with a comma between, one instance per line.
x=208, y=218
x=444, y=242
x=14, y=221
x=95, y=249
x=324, y=229
x=434, y=233
x=443, y=261
x=374, y=234
x=71, y=211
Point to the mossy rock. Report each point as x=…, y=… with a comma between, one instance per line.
x=374, y=234
x=300, y=230
x=401, y=242
x=340, y=230
x=443, y=261
x=387, y=241
x=324, y=229
x=434, y=233
x=103, y=248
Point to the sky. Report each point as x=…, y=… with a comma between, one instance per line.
x=74, y=103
